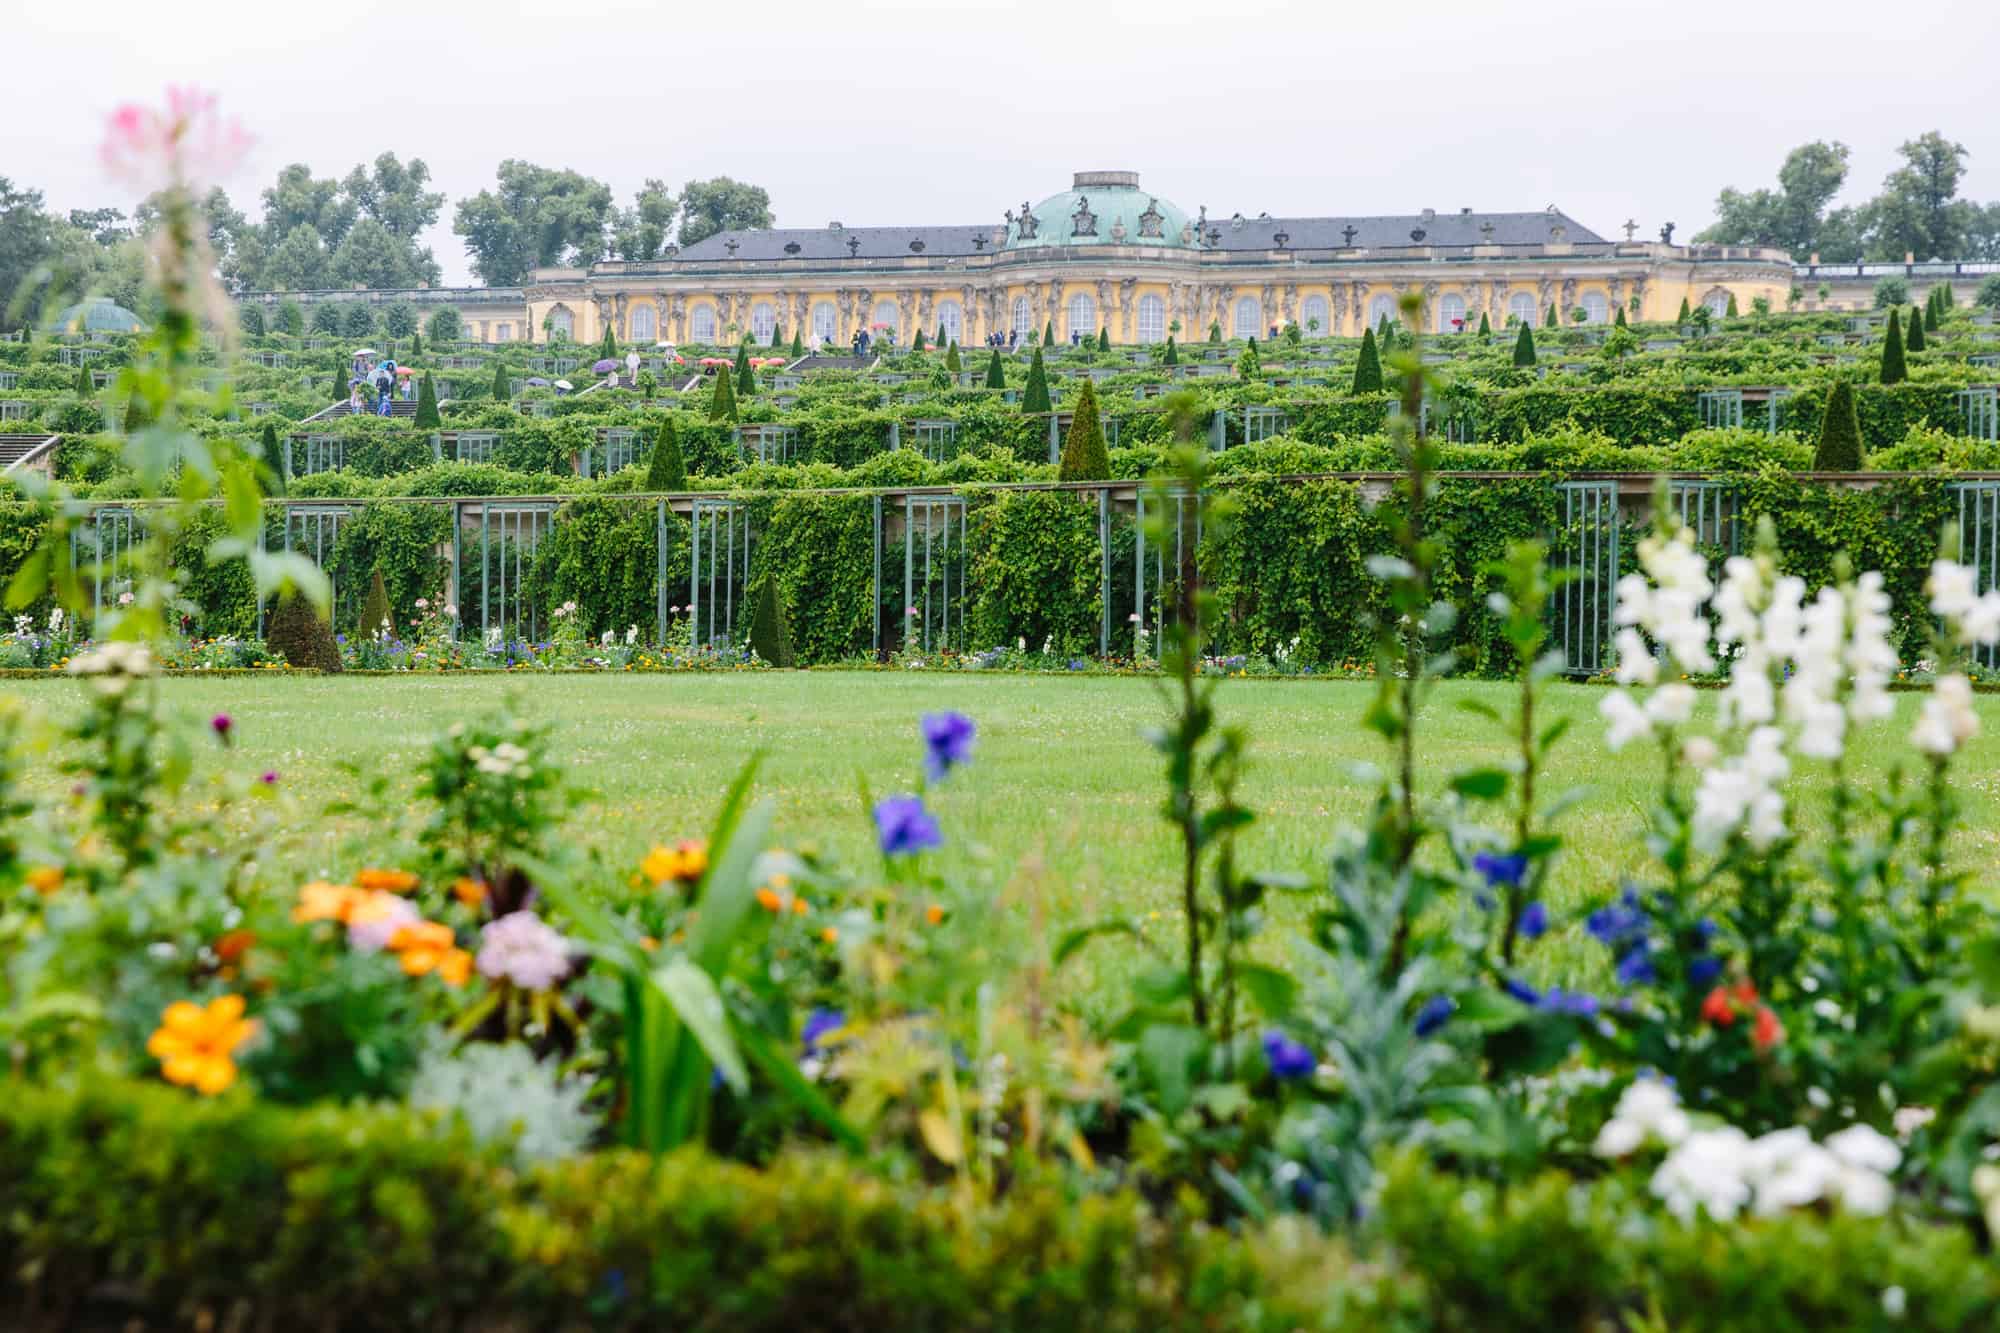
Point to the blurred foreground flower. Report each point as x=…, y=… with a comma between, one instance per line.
x=196, y=1045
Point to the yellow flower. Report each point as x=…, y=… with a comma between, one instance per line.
x=770, y=901
x=830, y=935
x=45, y=879
x=422, y=946
x=195, y=1045
x=686, y=861
x=392, y=881
x=469, y=891
x=934, y=914
x=321, y=901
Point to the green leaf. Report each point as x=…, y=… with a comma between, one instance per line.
x=1161, y=986
x=1481, y=708
x=1272, y=991
x=1167, y=1053
x=1480, y=784
x=1083, y=935
x=698, y=1005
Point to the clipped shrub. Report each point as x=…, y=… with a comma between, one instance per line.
x=1839, y=432
x=1104, y=340
x=295, y=630
x=1549, y=320
x=917, y=343
x=1486, y=327
x=427, y=404
x=1729, y=312
x=1686, y=312
x=952, y=362
x=722, y=403
x=274, y=459
x=1215, y=330
x=374, y=607
x=770, y=629
x=1524, y=347
x=503, y=387
x=746, y=377
x=666, y=470
x=1083, y=456
x=607, y=347
x=1035, y=398
x=1914, y=340
x=1049, y=334
x=996, y=373
x=1173, y=353
x=84, y=386
x=1368, y=365
x=1894, y=368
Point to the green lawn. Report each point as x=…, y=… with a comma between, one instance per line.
x=1062, y=773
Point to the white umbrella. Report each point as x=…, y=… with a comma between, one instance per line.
x=563, y=384
x=364, y=351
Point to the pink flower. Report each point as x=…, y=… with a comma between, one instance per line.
x=186, y=144
x=523, y=949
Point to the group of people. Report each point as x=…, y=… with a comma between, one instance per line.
x=997, y=340
x=380, y=379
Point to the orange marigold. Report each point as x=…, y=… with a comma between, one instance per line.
x=391, y=881
x=196, y=1045
x=45, y=879
x=234, y=945
x=934, y=914
x=471, y=892
x=686, y=861
x=770, y=901
x=321, y=901
x=423, y=946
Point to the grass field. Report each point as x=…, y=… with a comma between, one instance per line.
x=1062, y=770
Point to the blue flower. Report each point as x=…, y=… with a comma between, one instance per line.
x=1635, y=967
x=1501, y=867
x=947, y=743
x=904, y=826
x=1435, y=1014
x=1704, y=970
x=818, y=1023
x=1521, y=991
x=1289, y=1059
x=1578, y=1004
x=1534, y=920
x=1616, y=923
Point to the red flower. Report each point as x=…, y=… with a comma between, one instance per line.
x=1769, y=1031
x=1745, y=994
x=1717, y=1009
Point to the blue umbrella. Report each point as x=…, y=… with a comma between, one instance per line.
x=537, y=380
x=606, y=364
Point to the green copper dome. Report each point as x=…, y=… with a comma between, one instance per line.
x=1101, y=208
x=97, y=316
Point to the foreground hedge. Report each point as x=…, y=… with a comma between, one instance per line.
x=134, y=1206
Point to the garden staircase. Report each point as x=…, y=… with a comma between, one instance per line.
x=26, y=453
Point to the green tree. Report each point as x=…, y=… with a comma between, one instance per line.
x=1793, y=217
x=939, y=340
x=427, y=405
x=1894, y=369
x=274, y=460
x=951, y=359
x=1913, y=341
x=295, y=631
x=722, y=403
x=1619, y=318
x=770, y=628
x=1919, y=211
x=1934, y=312
x=1988, y=294
x=358, y=320
x=291, y=319
x=445, y=325
x=1549, y=320
x=1368, y=365
x=400, y=319
x=374, y=608
x=640, y=233
x=721, y=204
x=1486, y=328
x=1104, y=340
x=1215, y=330
x=503, y=384
x=1891, y=291
x=1173, y=353
x=1084, y=457
x=1049, y=334
x=746, y=375
x=1729, y=312
x=666, y=471
x=326, y=318
x=996, y=373
x=84, y=386
x=251, y=318
x=1685, y=313
x=1524, y=347
x=917, y=341
x=372, y=256
x=1839, y=448
x=1035, y=398
x=1249, y=365
x=777, y=337
x=536, y=216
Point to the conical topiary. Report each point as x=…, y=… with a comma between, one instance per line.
x=940, y=340
x=1549, y=320
x=951, y=359
x=416, y=345
x=1915, y=341
x=503, y=386
x=295, y=631
x=798, y=345
x=722, y=404
x=770, y=634
x=1215, y=330
x=1084, y=457
x=777, y=337
x=667, y=470
x=1368, y=365
x=274, y=460
x=1619, y=318
x=1839, y=432
x=1686, y=313
x=1894, y=369
x=427, y=404
x=374, y=607
x=1173, y=355
x=608, y=348
x=85, y=386
x=1729, y=311
x=917, y=345
x=1485, y=328
x=1049, y=334
x=1104, y=340
x=1035, y=398
x=996, y=374
x=1250, y=364
x=1524, y=347
x=746, y=378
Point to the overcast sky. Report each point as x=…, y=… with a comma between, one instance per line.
x=950, y=112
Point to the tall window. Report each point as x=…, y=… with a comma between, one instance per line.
x=1152, y=319
x=1451, y=313
x=1313, y=319
x=1024, y=317
x=1379, y=309
x=1521, y=308
x=504, y=334
x=887, y=317
x=952, y=320
x=763, y=320
x=1249, y=317
x=826, y=321
x=1083, y=315
x=644, y=330
x=1596, y=309
x=1717, y=303
x=701, y=324
x=562, y=322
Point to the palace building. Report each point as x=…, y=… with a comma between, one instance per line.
x=1109, y=254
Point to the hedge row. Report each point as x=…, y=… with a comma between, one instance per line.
x=133, y=1205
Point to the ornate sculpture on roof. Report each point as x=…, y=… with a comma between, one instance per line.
x=1150, y=220
x=1083, y=222
x=1026, y=224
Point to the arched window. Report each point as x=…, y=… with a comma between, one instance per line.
x=1596, y=310
x=952, y=320
x=763, y=320
x=1717, y=303
x=561, y=321
x=887, y=318
x=826, y=321
x=1521, y=308
x=1024, y=317
x=1451, y=313
x=1379, y=309
x=1312, y=318
x=504, y=334
x=1152, y=319
x=701, y=324
x=1083, y=315
x=1249, y=317
x=644, y=328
